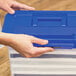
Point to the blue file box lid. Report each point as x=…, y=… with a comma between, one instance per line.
x=59, y=27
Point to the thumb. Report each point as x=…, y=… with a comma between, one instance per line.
x=9, y=10
x=42, y=50
x=39, y=41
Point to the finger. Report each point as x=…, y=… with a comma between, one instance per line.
x=9, y=9
x=41, y=50
x=39, y=41
x=45, y=49
x=22, y=6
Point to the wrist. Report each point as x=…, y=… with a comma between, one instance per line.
x=5, y=38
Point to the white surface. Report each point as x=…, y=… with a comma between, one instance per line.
x=46, y=66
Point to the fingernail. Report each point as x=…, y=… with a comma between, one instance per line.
x=12, y=12
x=32, y=8
x=46, y=41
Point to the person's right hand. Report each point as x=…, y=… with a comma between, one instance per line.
x=24, y=45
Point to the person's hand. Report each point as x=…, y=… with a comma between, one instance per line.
x=11, y=5
x=24, y=45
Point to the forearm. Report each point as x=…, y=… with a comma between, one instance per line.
x=5, y=38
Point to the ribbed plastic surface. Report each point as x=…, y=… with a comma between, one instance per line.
x=57, y=63
x=59, y=27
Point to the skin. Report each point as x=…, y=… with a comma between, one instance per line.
x=20, y=42
x=11, y=5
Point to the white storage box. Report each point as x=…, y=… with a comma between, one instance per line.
x=57, y=63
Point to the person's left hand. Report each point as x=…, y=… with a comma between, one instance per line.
x=11, y=5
